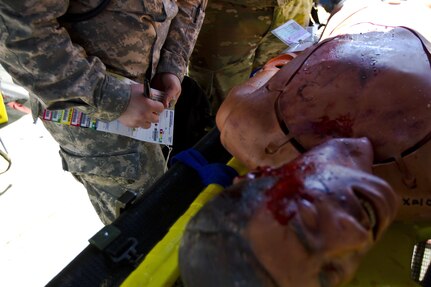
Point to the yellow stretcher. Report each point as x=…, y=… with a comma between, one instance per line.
x=160, y=266
x=387, y=265
x=3, y=113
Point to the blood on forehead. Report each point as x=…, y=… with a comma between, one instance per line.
x=289, y=188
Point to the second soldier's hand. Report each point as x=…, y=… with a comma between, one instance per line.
x=141, y=111
x=170, y=85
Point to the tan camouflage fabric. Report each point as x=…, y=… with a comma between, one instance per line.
x=107, y=165
x=236, y=38
x=64, y=65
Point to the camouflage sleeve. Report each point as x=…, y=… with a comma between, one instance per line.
x=182, y=37
x=40, y=56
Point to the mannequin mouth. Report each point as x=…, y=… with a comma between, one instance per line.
x=371, y=213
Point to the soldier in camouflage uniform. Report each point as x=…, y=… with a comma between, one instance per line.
x=236, y=38
x=65, y=65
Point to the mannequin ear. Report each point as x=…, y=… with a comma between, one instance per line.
x=276, y=145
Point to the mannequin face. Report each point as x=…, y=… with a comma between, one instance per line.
x=317, y=238
x=315, y=224
x=311, y=221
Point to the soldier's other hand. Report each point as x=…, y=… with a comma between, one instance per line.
x=141, y=111
x=170, y=85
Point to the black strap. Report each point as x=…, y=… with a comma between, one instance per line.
x=107, y=262
x=79, y=17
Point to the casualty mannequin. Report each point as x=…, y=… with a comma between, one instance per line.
x=367, y=77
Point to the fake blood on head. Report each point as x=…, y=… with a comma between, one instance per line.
x=339, y=127
x=288, y=188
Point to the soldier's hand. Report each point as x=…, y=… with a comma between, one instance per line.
x=141, y=111
x=170, y=85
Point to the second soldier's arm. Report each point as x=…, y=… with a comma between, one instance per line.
x=180, y=41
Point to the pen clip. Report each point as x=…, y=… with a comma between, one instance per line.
x=147, y=89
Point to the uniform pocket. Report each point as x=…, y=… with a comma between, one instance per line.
x=120, y=166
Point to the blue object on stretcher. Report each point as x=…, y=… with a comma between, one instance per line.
x=218, y=173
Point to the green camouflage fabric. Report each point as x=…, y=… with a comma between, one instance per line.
x=236, y=38
x=65, y=65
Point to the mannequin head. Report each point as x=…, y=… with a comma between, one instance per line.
x=307, y=223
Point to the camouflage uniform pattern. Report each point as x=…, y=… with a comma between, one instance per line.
x=108, y=166
x=64, y=65
x=236, y=38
